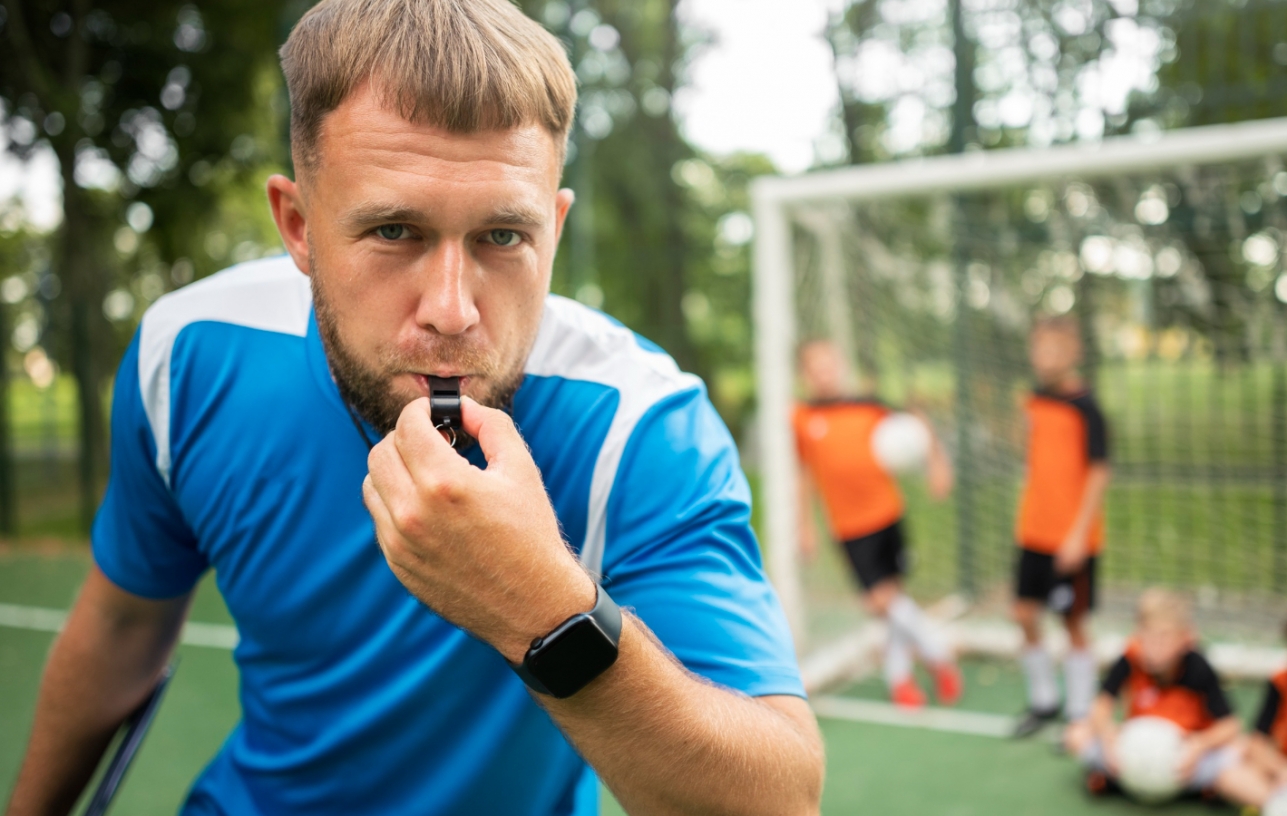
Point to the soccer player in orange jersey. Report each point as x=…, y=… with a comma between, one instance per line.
x=1060, y=528
x=865, y=509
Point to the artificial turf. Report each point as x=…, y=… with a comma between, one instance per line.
x=870, y=768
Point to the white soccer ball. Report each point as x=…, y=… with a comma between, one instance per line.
x=901, y=442
x=1276, y=806
x=1148, y=759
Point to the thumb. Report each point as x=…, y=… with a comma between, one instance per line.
x=497, y=436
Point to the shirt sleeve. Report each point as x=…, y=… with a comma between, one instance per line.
x=1269, y=709
x=1202, y=678
x=140, y=539
x=1116, y=677
x=681, y=554
x=1096, y=430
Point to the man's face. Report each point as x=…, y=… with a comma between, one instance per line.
x=822, y=369
x=1054, y=354
x=429, y=252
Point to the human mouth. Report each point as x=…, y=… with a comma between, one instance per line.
x=422, y=380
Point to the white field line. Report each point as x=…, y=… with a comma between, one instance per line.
x=1234, y=661
x=928, y=719
x=40, y=619
x=857, y=654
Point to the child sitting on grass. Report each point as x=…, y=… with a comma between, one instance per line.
x=1163, y=675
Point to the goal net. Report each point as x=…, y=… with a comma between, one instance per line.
x=927, y=275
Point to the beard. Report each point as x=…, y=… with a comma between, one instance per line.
x=370, y=390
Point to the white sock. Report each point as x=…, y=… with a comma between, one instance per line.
x=905, y=616
x=1079, y=684
x=1039, y=671
x=898, y=658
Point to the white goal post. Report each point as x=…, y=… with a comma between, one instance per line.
x=782, y=205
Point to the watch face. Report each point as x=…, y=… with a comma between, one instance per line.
x=573, y=657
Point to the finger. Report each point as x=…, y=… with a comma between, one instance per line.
x=497, y=436
x=424, y=453
x=379, y=514
x=389, y=476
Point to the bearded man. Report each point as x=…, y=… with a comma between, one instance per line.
x=573, y=594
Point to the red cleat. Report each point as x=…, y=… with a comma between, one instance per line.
x=949, y=685
x=1097, y=783
x=907, y=695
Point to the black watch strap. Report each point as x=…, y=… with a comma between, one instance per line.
x=592, y=636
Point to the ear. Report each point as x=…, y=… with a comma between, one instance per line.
x=287, y=205
x=562, y=203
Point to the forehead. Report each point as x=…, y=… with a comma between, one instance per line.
x=365, y=140
x=1162, y=627
x=820, y=352
x=1055, y=334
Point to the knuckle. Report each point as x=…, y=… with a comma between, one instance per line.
x=441, y=491
x=505, y=419
x=407, y=521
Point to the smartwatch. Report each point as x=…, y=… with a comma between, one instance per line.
x=578, y=650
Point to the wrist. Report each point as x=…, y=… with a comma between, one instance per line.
x=576, y=652
x=576, y=595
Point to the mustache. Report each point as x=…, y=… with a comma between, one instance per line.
x=455, y=353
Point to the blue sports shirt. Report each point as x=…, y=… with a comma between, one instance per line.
x=232, y=450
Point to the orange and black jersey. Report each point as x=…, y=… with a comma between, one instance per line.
x=1272, y=721
x=1066, y=435
x=1192, y=699
x=833, y=439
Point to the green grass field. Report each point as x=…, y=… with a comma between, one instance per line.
x=871, y=768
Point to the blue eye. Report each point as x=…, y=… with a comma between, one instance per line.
x=392, y=232
x=504, y=237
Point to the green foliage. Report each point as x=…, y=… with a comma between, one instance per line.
x=168, y=112
x=1223, y=61
x=153, y=111
x=658, y=237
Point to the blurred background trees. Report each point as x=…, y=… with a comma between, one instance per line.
x=155, y=115
x=163, y=119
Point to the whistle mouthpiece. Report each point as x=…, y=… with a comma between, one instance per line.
x=444, y=403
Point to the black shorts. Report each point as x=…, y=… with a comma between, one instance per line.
x=1036, y=580
x=878, y=556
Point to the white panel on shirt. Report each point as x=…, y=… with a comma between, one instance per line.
x=270, y=294
x=578, y=343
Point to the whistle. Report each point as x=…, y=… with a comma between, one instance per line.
x=444, y=405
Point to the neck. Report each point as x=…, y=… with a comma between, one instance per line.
x=1067, y=384
x=826, y=394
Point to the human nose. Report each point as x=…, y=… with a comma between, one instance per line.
x=447, y=303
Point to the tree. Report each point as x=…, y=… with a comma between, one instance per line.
x=151, y=109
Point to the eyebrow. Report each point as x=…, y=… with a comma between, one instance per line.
x=519, y=216
x=366, y=216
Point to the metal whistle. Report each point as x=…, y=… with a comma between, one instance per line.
x=444, y=406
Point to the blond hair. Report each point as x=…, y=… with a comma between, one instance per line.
x=461, y=65
x=1161, y=606
x=1058, y=324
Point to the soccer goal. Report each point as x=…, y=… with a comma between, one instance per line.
x=1169, y=251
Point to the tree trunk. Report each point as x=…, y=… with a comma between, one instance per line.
x=665, y=306
x=77, y=241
